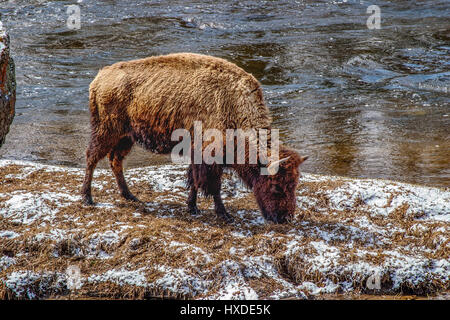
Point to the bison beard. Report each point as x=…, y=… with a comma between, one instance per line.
x=144, y=101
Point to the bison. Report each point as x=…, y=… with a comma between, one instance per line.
x=143, y=101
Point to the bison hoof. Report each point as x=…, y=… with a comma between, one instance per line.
x=130, y=197
x=87, y=200
x=225, y=217
x=194, y=210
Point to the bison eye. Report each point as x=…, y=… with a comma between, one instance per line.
x=276, y=189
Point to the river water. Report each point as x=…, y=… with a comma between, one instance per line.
x=360, y=102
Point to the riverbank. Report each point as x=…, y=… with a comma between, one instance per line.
x=361, y=102
x=345, y=232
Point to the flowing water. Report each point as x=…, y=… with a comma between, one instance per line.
x=360, y=102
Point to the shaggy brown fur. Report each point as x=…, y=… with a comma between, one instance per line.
x=145, y=100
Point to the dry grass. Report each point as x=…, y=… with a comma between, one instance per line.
x=157, y=250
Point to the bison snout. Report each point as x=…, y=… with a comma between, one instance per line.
x=280, y=217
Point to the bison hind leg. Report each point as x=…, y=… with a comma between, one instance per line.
x=95, y=152
x=116, y=156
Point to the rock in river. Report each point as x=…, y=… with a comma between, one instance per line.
x=7, y=85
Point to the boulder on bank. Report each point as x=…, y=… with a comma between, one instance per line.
x=7, y=85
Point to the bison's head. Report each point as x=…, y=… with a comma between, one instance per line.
x=275, y=193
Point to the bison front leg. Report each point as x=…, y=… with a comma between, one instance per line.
x=193, y=190
x=209, y=179
x=192, y=201
x=220, y=208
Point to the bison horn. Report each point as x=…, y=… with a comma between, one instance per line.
x=273, y=166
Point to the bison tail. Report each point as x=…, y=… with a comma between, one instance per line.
x=93, y=108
